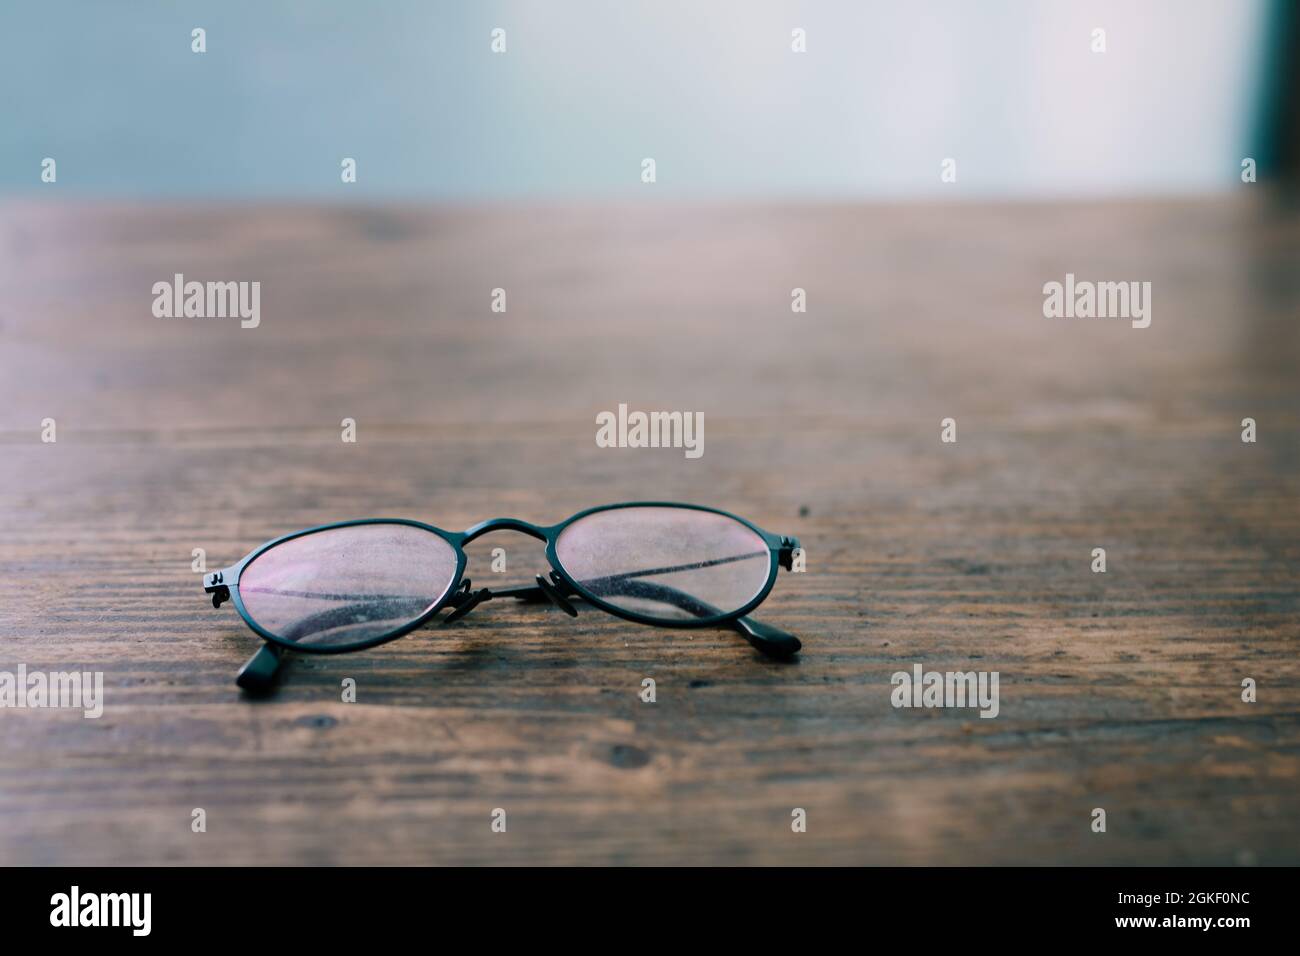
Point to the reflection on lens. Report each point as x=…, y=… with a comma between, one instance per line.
x=345, y=586
x=666, y=563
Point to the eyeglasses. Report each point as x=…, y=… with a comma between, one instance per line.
x=352, y=585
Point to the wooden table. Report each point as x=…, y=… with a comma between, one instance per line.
x=1119, y=690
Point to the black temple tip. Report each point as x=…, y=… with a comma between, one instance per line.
x=258, y=675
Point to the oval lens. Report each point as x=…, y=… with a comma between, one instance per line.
x=345, y=586
x=666, y=563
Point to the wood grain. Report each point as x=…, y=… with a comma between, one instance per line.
x=1119, y=690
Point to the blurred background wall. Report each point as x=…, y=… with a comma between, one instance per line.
x=711, y=90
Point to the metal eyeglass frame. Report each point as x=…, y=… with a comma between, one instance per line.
x=259, y=673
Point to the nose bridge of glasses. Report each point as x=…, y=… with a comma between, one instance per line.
x=504, y=524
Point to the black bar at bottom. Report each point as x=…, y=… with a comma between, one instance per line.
x=906, y=906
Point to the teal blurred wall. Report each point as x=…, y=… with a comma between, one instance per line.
x=711, y=90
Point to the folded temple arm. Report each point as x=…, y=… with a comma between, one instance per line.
x=772, y=641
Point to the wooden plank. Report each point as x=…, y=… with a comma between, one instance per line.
x=1119, y=690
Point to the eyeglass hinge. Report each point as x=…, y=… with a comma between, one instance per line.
x=216, y=585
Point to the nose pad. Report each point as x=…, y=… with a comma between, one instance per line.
x=555, y=594
x=466, y=600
